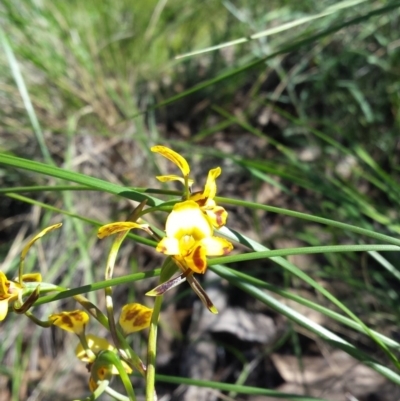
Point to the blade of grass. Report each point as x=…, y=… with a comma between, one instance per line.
x=385, y=263
x=100, y=285
x=45, y=206
x=234, y=387
x=78, y=178
x=309, y=217
x=302, y=251
x=268, y=32
x=25, y=97
x=56, y=188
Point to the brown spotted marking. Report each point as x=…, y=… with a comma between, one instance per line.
x=78, y=316
x=131, y=314
x=142, y=319
x=67, y=321
x=198, y=259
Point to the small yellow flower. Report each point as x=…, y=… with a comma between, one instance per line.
x=189, y=237
x=73, y=321
x=135, y=317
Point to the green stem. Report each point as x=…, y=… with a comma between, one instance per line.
x=112, y=257
x=110, y=315
x=37, y=321
x=118, y=396
x=90, y=354
x=108, y=358
x=152, y=351
x=68, y=293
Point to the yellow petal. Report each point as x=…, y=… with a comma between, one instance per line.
x=168, y=246
x=4, y=286
x=186, y=218
x=186, y=244
x=215, y=246
x=135, y=317
x=74, y=321
x=167, y=178
x=174, y=157
x=127, y=368
x=210, y=188
x=217, y=215
x=3, y=309
x=196, y=260
x=96, y=344
x=38, y=236
x=113, y=228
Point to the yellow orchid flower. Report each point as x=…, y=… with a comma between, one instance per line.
x=10, y=290
x=189, y=237
x=135, y=317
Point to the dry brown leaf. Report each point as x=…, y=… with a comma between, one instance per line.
x=245, y=325
x=335, y=377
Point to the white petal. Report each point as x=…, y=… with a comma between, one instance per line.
x=186, y=218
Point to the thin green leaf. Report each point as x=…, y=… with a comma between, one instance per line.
x=19, y=80
x=302, y=251
x=277, y=29
x=309, y=217
x=78, y=178
x=100, y=285
x=234, y=387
